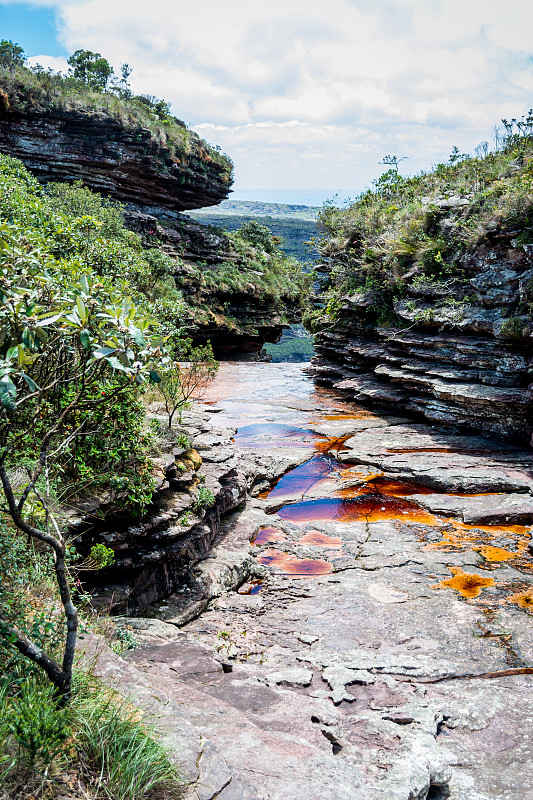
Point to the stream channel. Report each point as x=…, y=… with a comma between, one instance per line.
x=378, y=644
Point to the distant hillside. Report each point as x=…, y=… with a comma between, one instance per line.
x=294, y=233
x=254, y=208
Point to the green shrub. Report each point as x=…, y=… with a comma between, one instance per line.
x=204, y=499
x=39, y=727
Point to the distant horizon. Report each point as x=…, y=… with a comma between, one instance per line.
x=314, y=198
x=306, y=95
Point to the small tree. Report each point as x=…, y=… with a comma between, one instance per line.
x=90, y=68
x=257, y=235
x=66, y=348
x=185, y=380
x=393, y=161
x=11, y=55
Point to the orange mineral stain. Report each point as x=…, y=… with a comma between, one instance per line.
x=523, y=599
x=290, y=565
x=490, y=553
x=466, y=583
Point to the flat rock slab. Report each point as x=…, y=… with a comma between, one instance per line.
x=443, y=461
x=384, y=679
x=497, y=509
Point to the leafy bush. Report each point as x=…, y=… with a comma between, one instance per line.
x=37, y=724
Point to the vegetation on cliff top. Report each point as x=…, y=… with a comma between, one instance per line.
x=91, y=87
x=422, y=229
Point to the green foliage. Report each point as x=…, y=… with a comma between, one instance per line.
x=37, y=724
x=75, y=200
x=513, y=328
x=257, y=235
x=90, y=68
x=11, y=55
x=182, y=440
x=204, y=499
x=102, y=556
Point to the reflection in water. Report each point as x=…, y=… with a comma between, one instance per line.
x=253, y=587
x=384, y=486
x=272, y=434
x=277, y=405
x=368, y=507
x=291, y=565
x=265, y=535
x=300, y=479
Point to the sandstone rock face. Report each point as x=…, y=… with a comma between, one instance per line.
x=237, y=323
x=461, y=355
x=113, y=158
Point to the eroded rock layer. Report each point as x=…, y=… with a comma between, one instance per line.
x=237, y=323
x=111, y=157
x=460, y=351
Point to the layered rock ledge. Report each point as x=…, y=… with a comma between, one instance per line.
x=460, y=352
x=114, y=158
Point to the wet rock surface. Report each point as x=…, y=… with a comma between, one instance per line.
x=403, y=671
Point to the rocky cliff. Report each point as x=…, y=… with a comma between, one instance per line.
x=236, y=297
x=431, y=312
x=228, y=301
x=113, y=157
x=461, y=355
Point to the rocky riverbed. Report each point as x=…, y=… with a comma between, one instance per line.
x=360, y=627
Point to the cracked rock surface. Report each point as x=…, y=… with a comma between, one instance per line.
x=365, y=628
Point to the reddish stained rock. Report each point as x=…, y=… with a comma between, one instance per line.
x=292, y=565
x=319, y=539
x=265, y=535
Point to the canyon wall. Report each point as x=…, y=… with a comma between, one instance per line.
x=155, y=181
x=457, y=351
x=112, y=157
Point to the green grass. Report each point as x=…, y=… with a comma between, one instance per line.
x=401, y=230
x=100, y=739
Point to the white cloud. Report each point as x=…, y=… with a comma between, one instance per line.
x=55, y=63
x=304, y=93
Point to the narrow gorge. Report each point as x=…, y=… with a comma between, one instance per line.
x=316, y=578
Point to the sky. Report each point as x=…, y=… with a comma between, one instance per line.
x=307, y=97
